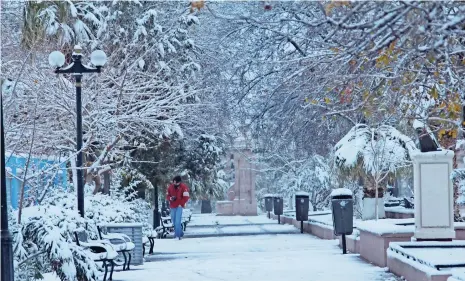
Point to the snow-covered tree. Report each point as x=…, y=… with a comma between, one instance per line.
x=202, y=165
x=374, y=153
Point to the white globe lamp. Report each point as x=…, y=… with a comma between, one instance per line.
x=56, y=59
x=98, y=58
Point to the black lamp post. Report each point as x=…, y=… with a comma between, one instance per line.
x=156, y=214
x=76, y=68
x=6, y=240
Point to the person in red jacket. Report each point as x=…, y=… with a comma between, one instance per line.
x=177, y=195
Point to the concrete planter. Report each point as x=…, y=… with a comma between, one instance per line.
x=352, y=243
x=322, y=231
x=373, y=246
x=399, y=266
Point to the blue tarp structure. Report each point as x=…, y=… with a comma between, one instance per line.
x=15, y=166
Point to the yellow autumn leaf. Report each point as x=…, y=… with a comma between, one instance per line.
x=329, y=8
x=434, y=93
x=382, y=60
x=306, y=100
x=314, y=101
x=327, y=100
x=367, y=113
x=366, y=94
x=199, y=4
x=431, y=58
x=456, y=107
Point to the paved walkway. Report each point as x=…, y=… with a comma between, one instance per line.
x=266, y=257
x=208, y=225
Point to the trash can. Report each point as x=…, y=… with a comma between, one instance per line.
x=278, y=206
x=134, y=231
x=269, y=203
x=342, y=203
x=301, y=208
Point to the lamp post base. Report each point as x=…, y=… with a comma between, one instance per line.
x=7, y=256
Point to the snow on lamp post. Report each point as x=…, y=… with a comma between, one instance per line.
x=6, y=240
x=56, y=59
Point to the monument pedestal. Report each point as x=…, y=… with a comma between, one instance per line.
x=434, y=202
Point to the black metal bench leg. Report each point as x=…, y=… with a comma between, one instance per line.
x=125, y=260
x=106, y=270
x=129, y=262
x=112, y=268
x=152, y=242
x=143, y=250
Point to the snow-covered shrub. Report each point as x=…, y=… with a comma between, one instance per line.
x=44, y=242
x=102, y=209
x=372, y=153
x=458, y=178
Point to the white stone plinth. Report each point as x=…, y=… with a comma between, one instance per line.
x=434, y=202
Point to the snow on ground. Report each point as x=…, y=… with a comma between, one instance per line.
x=211, y=225
x=267, y=257
x=212, y=219
x=439, y=255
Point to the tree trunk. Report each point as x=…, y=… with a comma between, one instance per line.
x=106, y=182
x=206, y=207
x=376, y=200
x=457, y=216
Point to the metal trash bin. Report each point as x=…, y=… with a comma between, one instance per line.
x=342, y=204
x=301, y=208
x=269, y=203
x=134, y=231
x=278, y=206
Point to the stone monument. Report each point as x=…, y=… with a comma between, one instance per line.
x=434, y=199
x=241, y=195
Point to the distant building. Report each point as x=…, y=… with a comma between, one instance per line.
x=15, y=167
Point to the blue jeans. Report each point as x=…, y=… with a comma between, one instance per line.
x=176, y=217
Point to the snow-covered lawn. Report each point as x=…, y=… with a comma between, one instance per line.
x=253, y=258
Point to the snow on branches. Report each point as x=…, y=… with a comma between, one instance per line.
x=381, y=148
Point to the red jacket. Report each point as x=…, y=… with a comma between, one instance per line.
x=181, y=193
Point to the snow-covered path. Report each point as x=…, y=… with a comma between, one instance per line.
x=270, y=258
x=254, y=258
